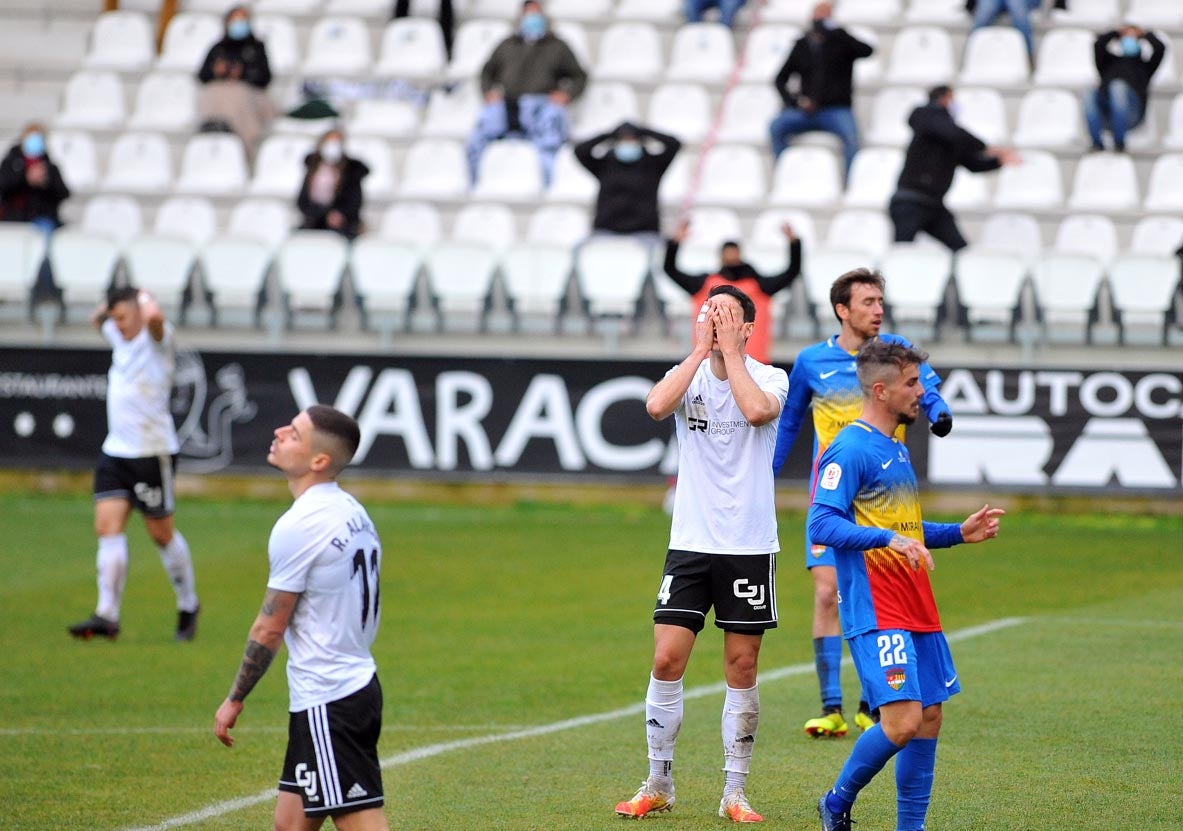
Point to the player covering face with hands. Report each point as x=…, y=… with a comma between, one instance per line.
x=723, y=543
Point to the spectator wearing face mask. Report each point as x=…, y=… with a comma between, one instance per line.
x=234, y=78
x=32, y=190
x=733, y=270
x=938, y=146
x=816, y=85
x=528, y=83
x=1119, y=103
x=331, y=196
x=629, y=162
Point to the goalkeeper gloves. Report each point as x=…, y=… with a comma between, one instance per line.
x=942, y=425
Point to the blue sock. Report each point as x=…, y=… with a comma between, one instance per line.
x=914, y=768
x=827, y=656
x=869, y=755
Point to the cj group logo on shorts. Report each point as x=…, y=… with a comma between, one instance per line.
x=306, y=779
x=746, y=591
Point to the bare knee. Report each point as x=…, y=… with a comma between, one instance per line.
x=740, y=670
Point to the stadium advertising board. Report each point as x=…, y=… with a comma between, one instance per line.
x=474, y=417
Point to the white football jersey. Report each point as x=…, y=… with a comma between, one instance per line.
x=139, y=385
x=724, y=500
x=325, y=549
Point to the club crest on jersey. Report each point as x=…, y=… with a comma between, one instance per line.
x=896, y=678
x=817, y=550
x=831, y=476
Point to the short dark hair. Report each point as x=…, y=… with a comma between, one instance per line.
x=340, y=426
x=877, y=355
x=749, y=307
x=938, y=92
x=843, y=287
x=122, y=294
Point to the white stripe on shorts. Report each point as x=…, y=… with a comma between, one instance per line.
x=167, y=483
x=326, y=762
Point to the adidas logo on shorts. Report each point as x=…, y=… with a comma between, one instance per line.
x=356, y=792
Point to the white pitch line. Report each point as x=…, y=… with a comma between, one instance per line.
x=428, y=751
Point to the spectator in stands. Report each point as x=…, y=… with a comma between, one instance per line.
x=822, y=63
x=32, y=190
x=234, y=78
x=528, y=82
x=734, y=270
x=728, y=9
x=938, y=146
x=331, y=196
x=1019, y=11
x=447, y=20
x=1119, y=103
x=629, y=162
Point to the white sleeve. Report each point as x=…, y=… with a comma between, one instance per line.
x=291, y=554
x=111, y=332
x=775, y=382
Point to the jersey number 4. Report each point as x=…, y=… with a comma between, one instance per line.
x=359, y=567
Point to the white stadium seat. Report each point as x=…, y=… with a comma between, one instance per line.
x=279, y=165
x=572, y=182
x=921, y=55
x=162, y=265
x=536, y=277
x=916, y=278
x=682, y=110
x=83, y=264
x=506, y=9
x=417, y=223
x=509, y=170
x=865, y=230
x=870, y=12
x=1104, y=182
x=278, y=33
x=767, y=49
x=451, y=113
x=656, y=11
x=806, y=177
x=74, y=153
x=391, y=119
x=92, y=99
x=558, y=225
x=190, y=217
x=1157, y=235
x=412, y=47
x=703, y=52
x=822, y=267
x=789, y=11
x=22, y=249
x=384, y=275
x=767, y=233
x=1143, y=288
x=187, y=41
x=233, y=269
x=461, y=279
x=1099, y=14
x=488, y=224
x=434, y=169
x=338, y=46
x=1165, y=13
x=374, y=152
x=969, y=191
x=890, y=111
x=611, y=272
x=121, y=40
x=267, y=220
x=995, y=56
x=1092, y=234
x=1065, y=59
x=475, y=41
x=1166, y=184
x=139, y=163
x=747, y=111
x=119, y=218
x=165, y=101
x=1049, y=118
x=940, y=12
x=213, y=164
x=1014, y=233
x=603, y=106
x=1066, y=290
x=308, y=266
x=983, y=113
x=1036, y=184
x=709, y=228
x=873, y=175
x=591, y=10
x=989, y=284
x=629, y=51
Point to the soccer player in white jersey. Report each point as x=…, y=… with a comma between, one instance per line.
x=135, y=468
x=322, y=600
x=723, y=542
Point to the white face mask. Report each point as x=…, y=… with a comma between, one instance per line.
x=331, y=151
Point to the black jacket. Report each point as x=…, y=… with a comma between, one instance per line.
x=627, y=201
x=1133, y=69
x=938, y=146
x=521, y=67
x=249, y=52
x=20, y=201
x=347, y=199
x=823, y=60
x=693, y=283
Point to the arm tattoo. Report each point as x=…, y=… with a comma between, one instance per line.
x=255, y=661
x=899, y=540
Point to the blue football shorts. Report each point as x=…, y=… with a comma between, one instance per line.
x=898, y=665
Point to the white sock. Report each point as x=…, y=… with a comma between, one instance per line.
x=663, y=720
x=741, y=717
x=111, y=563
x=179, y=566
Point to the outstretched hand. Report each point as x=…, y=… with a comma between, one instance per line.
x=982, y=525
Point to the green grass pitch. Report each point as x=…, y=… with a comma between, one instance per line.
x=514, y=652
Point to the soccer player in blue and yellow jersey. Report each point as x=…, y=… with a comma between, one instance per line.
x=866, y=507
x=824, y=374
